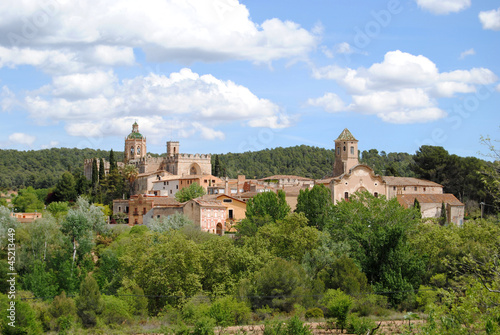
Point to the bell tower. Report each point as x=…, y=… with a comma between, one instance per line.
x=346, y=153
x=135, y=145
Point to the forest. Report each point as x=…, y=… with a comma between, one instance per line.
x=281, y=270
x=347, y=266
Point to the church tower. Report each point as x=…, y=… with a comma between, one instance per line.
x=135, y=145
x=346, y=153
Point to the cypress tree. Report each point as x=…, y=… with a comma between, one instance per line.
x=112, y=162
x=416, y=205
x=101, y=170
x=217, y=169
x=95, y=174
x=443, y=214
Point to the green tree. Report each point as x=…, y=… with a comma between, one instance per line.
x=315, y=204
x=217, y=168
x=443, y=219
x=165, y=223
x=112, y=161
x=66, y=188
x=58, y=209
x=191, y=192
x=280, y=284
x=27, y=201
x=89, y=303
x=339, y=305
x=95, y=173
x=130, y=173
x=102, y=170
x=268, y=203
x=378, y=238
x=290, y=238
x=345, y=275
x=416, y=205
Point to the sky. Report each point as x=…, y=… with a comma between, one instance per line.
x=238, y=75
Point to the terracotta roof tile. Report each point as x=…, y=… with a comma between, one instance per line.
x=407, y=200
x=408, y=181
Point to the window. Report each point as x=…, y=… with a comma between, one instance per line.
x=144, y=211
x=346, y=196
x=415, y=188
x=338, y=150
x=164, y=183
x=404, y=188
x=176, y=187
x=230, y=214
x=170, y=191
x=227, y=200
x=344, y=147
x=138, y=150
x=132, y=151
x=119, y=209
x=352, y=150
x=375, y=194
x=424, y=189
x=158, y=216
x=394, y=188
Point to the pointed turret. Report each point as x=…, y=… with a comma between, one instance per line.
x=346, y=153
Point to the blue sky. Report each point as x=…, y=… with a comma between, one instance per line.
x=233, y=76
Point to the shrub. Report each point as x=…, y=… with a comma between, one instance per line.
x=115, y=310
x=89, y=303
x=228, y=311
x=196, y=308
x=339, y=305
x=314, y=313
x=297, y=327
x=359, y=326
x=204, y=326
x=371, y=304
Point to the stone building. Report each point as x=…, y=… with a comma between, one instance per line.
x=173, y=163
x=350, y=177
x=210, y=216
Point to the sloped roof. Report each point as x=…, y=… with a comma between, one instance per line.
x=409, y=181
x=346, y=136
x=407, y=200
x=286, y=177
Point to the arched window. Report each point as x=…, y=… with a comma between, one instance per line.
x=375, y=194
x=344, y=147
x=346, y=196
x=131, y=151
x=352, y=150
x=138, y=150
x=338, y=150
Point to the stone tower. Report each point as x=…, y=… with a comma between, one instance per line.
x=346, y=153
x=135, y=145
x=172, y=148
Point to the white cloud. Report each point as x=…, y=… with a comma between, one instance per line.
x=52, y=144
x=402, y=89
x=490, y=19
x=330, y=102
x=498, y=88
x=21, y=138
x=103, y=33
x=203, y=99
x=468, y=52
x=7, y=99
x=344, y=48
x=440, y=7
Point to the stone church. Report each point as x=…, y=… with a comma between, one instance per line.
x=349, y=177
x=173, y=163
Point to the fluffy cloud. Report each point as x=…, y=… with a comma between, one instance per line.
x=82, y=34
x=203, y=99
x=440, y=7
x=402, y=89
x=490, y=19
x=21, y=138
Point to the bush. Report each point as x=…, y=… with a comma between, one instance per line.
x=25, y=319
x=196, y=308
x=227, y=311
x=204, y=326
x=133, y=295
x=297, y=327
x=359, y=326
x=339, y=305
x=115, y=310
x=314, y=313
x=371, y=304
